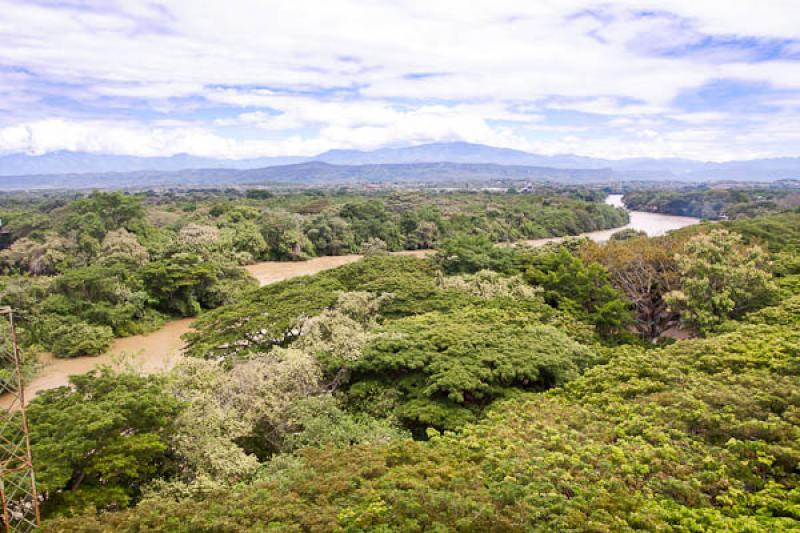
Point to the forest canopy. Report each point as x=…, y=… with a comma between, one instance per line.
x=482, y=387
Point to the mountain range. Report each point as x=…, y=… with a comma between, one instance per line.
x=313, y=173
x=399, y=163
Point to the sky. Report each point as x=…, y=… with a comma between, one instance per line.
x=702, y=79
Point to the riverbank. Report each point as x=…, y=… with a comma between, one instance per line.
x=161, y=349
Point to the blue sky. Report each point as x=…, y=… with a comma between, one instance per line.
x=710, y=80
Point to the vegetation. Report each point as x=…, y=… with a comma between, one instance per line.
x=699, y=436
x=108, y=264
x=485, y=388
x=721, y=279
x=96, y=443
x=713, y=204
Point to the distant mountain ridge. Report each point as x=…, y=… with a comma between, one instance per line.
x=311, y=173
x=65, y=162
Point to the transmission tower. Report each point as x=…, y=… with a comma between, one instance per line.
x=20, y=502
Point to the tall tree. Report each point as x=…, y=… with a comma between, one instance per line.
x=721, y=279
x=645, y=270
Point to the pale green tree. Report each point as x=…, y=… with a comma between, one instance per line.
x=209, y=447
x=250, y=401
x=490, y=284
x=374, y=246
x=38, y=258
x=339, y=334
x=721, y=278
x=121, y=245
x=198, y=239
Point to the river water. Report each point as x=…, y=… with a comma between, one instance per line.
x=654, y=224
x=161, y=349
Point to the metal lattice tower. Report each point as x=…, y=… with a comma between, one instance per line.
x=20, y=502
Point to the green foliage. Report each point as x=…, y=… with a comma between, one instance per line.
x=112, y=296
x=98, y=441
x=721, y=279
x=27, y=360
x=488, y=284
x=331, y=235
x=122, y=246
x=262, y=319
x=645, y=271
x=74, y=338
x=776, y=232
x=784, y=314
x=105, y=211
x=320, y=421
x=296, y=413
x=469, y=254
x=447, y=365
x=259, y=194
x=579, y=287
x=734, y=203
x=338, y=336
x=697, y=436
x=627, y=234
x=245, y=238
x=272, y=314
x=185, y=283
x=284, y=236
x=780, y=232
x=373, y=246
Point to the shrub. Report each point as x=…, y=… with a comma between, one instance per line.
x=79, y=338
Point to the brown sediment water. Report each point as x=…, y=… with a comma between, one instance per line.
x=274, y=271
x=654, y=224
x=161, y=349
x=152, y=352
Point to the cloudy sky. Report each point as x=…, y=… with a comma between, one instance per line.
x=705, y=79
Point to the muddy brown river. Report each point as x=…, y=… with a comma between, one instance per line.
x=159, y=350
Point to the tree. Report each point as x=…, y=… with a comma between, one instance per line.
x=284, y=236
x=337, y=336
x=198, y=239
x=320, y=421
x=467, y=254
x=645, y=270
x=38, y=258
x=373, y=246
x=110, y=295
x=489, y=284
x=425, y=235
x=115, y=210
x=721, y=279
x=330, y=235
x=74, y=338
x=89, y=219
x=177, y=283
x=445, y=367
x=121, y=245
x=244, y=238
x=580, y=287
x=209, y=448
x=627, y=234
x=97, y=441
x=261, y=390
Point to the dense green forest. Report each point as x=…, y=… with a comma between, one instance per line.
x=82, y=270
x=486, y=388
x=714, y=203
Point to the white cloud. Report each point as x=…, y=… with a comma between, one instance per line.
x=134, y=139
x=306, y=76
